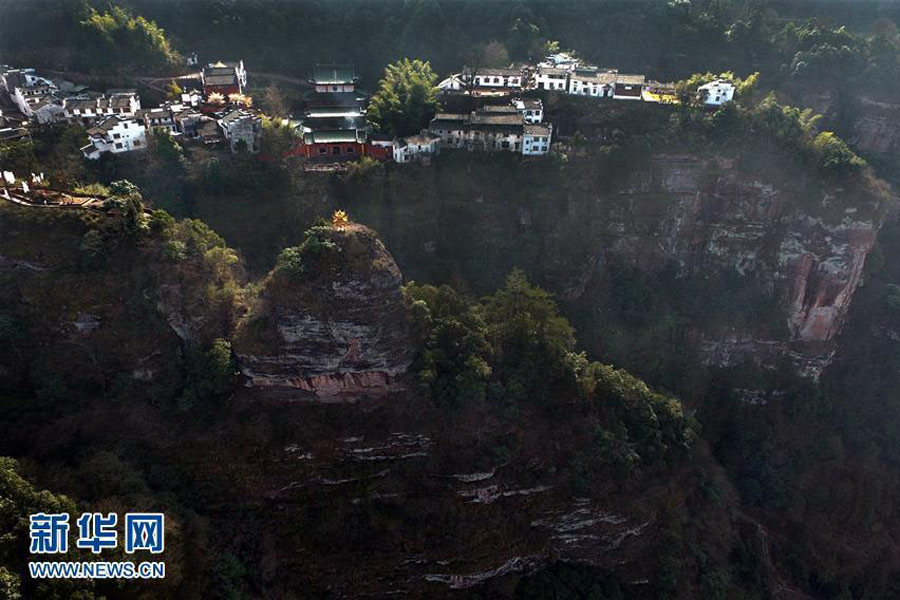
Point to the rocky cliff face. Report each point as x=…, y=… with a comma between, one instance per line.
x=777, y=248
x=805, y=247
x=84, y=321
x=341, y=329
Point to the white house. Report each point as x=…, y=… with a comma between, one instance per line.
x=192, y=98
x=454, y=83
x=241, y=126
x=162, y=117
x=493, y=79
x=536, y=139
x=592, y=82
x=492, y=129
x=560, y=59
x=552, y=78
x=11, y=78
x=531, y=109
x=87, y=109
x=115, y=134
x=716, y=93
x=414, y=147
x=452, y=128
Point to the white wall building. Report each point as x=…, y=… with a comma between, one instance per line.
x=162, y=117
x=90, y=108
x=241, y=126
x=492, y=131
x=414, y=147
x=454, y=83
x=531, y=109
x=536, y=139
x=116, y=135
x=591, y=82
x=484, y=80
x=552, y=78
x=716, y=93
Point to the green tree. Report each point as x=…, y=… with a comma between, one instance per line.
x=209, y=373
x=118, y=37
x=406, y=98
x=173, y=90
x=530, y=340
x=166, y=147
x=126, y=201
x=278, y=138
x=835, y=156
x=18, y=500
x=455, y=353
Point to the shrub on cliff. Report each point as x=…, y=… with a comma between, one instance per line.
x=835, y=156
x=296, y=262
x=210, y=372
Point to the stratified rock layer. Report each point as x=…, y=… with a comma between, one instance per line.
x=340, y=329
x=805, y=247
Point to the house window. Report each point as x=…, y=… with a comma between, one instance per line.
x=349, y=150
x=137, y=143
x=334, y=88
x=336, y=150
x=322, y=150
x=116, y=136
x=119, y=145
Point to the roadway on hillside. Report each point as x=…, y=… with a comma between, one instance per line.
x=159, y=83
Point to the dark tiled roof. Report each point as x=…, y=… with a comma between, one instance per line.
x=537, y=129
x=80, y=103
x=499, y=72
x=230, y=79
x=554, y=72
x=120, y=102
x=455, y=117
x=598, y=78
x=496, y=119
x=333, y=136
x=420, y=139
x=333, y=74
x=499, y=109
x=630, y=79
x=104, y=127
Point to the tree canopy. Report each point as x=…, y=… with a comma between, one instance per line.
x=406, y=98
x=126, y=40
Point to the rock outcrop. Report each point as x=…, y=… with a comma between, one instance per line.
x=802, y=245
x=340, y=328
